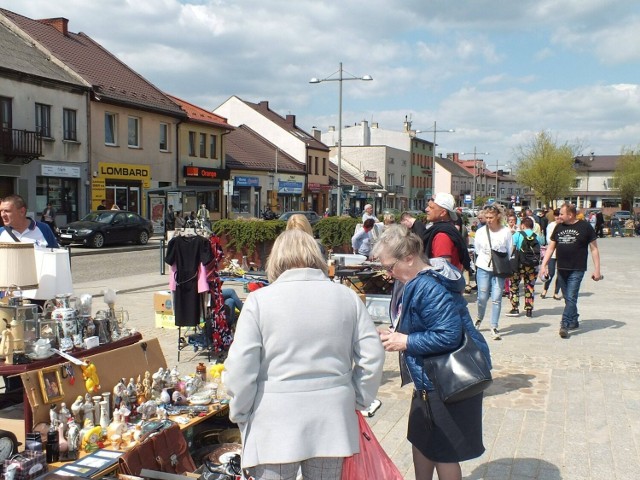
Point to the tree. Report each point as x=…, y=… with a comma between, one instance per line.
x=627, y=176
x=546, y=167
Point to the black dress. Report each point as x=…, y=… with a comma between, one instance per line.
x=187, y=253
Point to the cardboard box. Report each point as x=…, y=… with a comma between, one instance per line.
x=163, y=302
x=165, y=320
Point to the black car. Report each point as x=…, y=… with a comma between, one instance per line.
x=312, y=216
x=107, y=226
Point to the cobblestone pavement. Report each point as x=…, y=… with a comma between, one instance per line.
x=558, y=409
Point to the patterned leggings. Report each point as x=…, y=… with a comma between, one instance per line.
x=320, y=468
x=528, y=275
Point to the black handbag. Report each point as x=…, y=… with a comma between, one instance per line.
x=461, y=373
x=500, y=261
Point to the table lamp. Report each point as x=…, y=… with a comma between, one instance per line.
x=54, y=274
x=17, y=272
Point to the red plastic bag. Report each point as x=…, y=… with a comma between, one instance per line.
x=372, y=461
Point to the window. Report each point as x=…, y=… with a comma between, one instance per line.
x=213, y=146
x=164, y=137
x=43, y=119
x=316, y=171
x=577, y=182
x=390, y=180
x=610, y=183
x=110, y=128
x=402, y=180
x=69, y=124
x=133, y=137
x=192, y=144
x=324, y=166
x=203, y=145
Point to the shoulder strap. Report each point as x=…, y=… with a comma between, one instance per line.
x=11, y=234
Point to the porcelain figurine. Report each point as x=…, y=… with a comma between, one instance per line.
x=53, y=417
x=161, y=413
x=119, y=392
x=87, y=409
x=63, y=443
x=90, y=439
x=76, y=408
x=146, y=385
x=73, y=438
x=174, y=377
x=117, y=426
x=63, y=415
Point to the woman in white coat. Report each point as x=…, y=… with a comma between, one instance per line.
x=305, y=356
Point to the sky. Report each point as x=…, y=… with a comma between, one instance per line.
x=495, y=71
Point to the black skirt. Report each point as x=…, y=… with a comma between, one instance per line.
x=446, y=433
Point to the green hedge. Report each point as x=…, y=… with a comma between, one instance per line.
x=248, y=233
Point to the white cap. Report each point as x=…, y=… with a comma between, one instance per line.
x=446, y=201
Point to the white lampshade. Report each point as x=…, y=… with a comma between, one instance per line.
x=54, y=274
x=18, y=265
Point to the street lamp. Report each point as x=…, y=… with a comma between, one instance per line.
x=433, y=167
x=340, y=79
x=475, y=165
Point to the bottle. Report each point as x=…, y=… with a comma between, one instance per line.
x=245, y=263
x=53, y=447
x=201, y=371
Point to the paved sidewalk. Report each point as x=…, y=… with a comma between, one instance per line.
x=558, y=409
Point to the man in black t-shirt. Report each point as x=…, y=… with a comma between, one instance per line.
x=571, y=239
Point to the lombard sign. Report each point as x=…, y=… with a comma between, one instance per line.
x=206, y=173
x=125, y=171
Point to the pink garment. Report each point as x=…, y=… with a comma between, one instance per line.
x=203, y=284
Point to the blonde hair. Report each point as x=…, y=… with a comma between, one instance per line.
x=389, y=219
x=297, y=221
x=294, y=249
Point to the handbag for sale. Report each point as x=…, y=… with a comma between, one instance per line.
x=461, y=373
x=372, y=461
x=500, y=261
x=166, y=451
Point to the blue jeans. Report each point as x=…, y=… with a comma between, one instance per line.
x=569, y=281
x=232, y=301
x=552, y=272
x=489, y=285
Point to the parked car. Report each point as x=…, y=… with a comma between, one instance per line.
x=623, y=215
x=102, y=227
x=312, y=216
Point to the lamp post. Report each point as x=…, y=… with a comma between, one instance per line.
x=433, y=167
x=475, y=166
x=340, y=79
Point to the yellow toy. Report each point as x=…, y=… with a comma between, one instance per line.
x=90, y=375
x=91, y=438
x=216, y=370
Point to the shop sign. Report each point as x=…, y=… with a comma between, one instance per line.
x=60, y=171
x=206, y=173
x=370, y=176
x=123, y=171
x=313, y=187
x=290, y=187
x=246, y=181
x=98, y=189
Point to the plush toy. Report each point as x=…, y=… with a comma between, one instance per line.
x=90, y=375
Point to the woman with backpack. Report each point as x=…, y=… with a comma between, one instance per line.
x=526, y=247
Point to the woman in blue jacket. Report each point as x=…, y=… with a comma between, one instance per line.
x=430, y=320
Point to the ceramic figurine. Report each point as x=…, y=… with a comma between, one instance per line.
x=104, y=415
x=73, y=437
x=63, y=415
x=87, y=409
x=156, y=384
x=148, y=409
x=174, y=377
x=96, y=409
x=140, y=398
x=117, y=426
x=90, y=439
x=63, y=443
x=76, y=408
x=87, y=426
x=54, y=420
x=146, y=385
x=161, y=413
x=118, y=393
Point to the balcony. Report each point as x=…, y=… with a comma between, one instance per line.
x=399, y=189
x=19, y=144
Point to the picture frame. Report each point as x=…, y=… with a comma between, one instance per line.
x=51, y=384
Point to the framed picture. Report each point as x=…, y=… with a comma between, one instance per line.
x=51, y=384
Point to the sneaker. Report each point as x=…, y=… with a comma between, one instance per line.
x=495, y=334
x=529, y=313
x=478, y=322
x=514, y=313
x=574, y=326
x=564, y=333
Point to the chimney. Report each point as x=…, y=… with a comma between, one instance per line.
x=332, y=128
x=317, y=134
x=374, y=125
x=264, y=104
x=291, y=120
x=60, y=23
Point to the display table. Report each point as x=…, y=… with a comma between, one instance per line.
x=109, y=454
x=28, y=393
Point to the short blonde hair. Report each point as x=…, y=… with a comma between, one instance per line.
x=389, y=219
x=297, y=221
x=294, y=249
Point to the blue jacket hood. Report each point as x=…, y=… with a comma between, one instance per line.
x=449, y=275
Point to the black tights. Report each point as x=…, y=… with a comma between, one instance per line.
x=424, y=468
